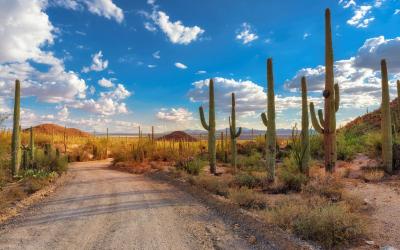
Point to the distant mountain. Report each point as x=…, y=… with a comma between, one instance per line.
x=50, y=128
x=246, y=132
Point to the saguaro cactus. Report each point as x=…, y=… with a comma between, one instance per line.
x=305, y=138
x=269, y=121
x=327, y=121
x=31, y=145
x=15, y=141
x=210, y=127
x=233, y=133
x=386, y=123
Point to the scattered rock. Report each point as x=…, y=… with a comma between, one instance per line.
x=370, y=242
x=252, y=240
x=388, y=248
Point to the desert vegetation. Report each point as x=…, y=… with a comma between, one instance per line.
x=298, y=184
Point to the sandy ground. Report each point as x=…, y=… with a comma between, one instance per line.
x=106, y=209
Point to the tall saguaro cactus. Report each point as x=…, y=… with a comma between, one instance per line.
x=210, y=127
x=305, y=137
x=269, y=121
x=15, y=141
x=234, y=134
x=386, y=123
x=327, y=121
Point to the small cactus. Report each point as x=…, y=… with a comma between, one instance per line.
x=269, y=121
x=210, y=127
x=386, y=123
x=233, y=133
x=16, y=140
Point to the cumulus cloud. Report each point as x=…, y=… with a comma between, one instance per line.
x=106, y=83
x=174, y=115
x=104, y=8
x=22, y=39
x=358, y=76
x=98, y=64
x=246, y=34
x=347, y=3
x=180, y=65
x=200, y=72
x=151, y=66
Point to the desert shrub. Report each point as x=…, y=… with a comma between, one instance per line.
x=329, y=187
x=214, y=184
x=348, y=144
x=290, y=176
x=373, y=143
x=373, y=174
x=248, y=148
x=192, y=166
x=251, y=162
x=247, y=198
x=245, y=179
x=329, y=224
x=316, y=146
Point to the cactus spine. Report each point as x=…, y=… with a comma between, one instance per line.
x=15, y=141
x=210, y=127
x=233, y=133
x=305, y=138
x=327, y=121
x=386, y=123
x=269, y=121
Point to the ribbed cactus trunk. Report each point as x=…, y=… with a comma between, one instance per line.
x=327, y=121
x=31, y=145
x=305, y=126
x=210, y=127
x=269, y=121
x=386, y=123
x=233, y=133
x=15, y=140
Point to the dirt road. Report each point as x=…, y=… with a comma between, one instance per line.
x=106, y=209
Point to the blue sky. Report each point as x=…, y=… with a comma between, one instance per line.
x=94, y=64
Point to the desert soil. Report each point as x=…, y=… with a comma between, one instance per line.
x=102, y=208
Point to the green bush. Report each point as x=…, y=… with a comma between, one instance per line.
x=373, y=142
x=192, y=166
x=214, y=184
x=251, y=162
x=247, y=198
x=316, y=146
x=290, y=176
x=245, y=179
x=348, y=144
x=329, y=187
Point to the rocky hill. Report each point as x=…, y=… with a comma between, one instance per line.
x=57, y=129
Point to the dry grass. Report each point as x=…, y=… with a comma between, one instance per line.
x=247, y=198
x=373, y=175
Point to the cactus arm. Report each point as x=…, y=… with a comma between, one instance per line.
x=264, y=119
x=321, y=117
x=203, y=119
x=337, y=97
x=239, y=132
x=314, y=119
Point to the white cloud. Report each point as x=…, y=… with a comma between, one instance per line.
x=246, y=34
x=180, y=65
x=156, y=55
x=306, y=35
x=174, y=115
x=107, y=83
x=360, y=18
x=63, y=114
x=200, y=72
x=24, y=29
x=150, y=27
x=104, y=8
x=176, y=31
x=151, y=66
x=397, y=11
x=347, y=3
x=98, y=64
